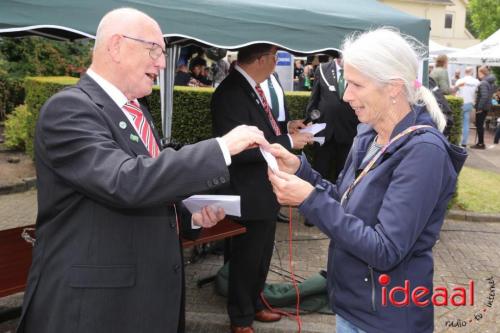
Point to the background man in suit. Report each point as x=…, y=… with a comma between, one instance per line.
x=340, y=119
x=239, y=99
x=107, y=256
x=275, y=94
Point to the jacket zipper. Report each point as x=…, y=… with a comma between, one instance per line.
x=374, y=308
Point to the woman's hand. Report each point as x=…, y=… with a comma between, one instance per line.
x=290, y=190
x=287, y=161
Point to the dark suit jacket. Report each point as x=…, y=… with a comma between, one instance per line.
x=107, y=255
x=234, y=103
x=340, y=119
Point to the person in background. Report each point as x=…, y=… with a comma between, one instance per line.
x=222, y=70
x=340, y=119
x=182, y=76
x=466, y=88
x=275, y=94
x=298, y=75
x=440, y=74
x=204, y=77
x=384, y=214
x=196, y=67
x=456, y=77
x=308, y=74
x=240, y=99
x=485, y=92
x=107, y=255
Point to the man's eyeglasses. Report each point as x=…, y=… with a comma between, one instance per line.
x=155, y=51
x=275, y=55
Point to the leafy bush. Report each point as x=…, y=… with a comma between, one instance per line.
x=456, y=106
x=16, y=128
x=192, y=120
x=11, y=93
x=39, y=90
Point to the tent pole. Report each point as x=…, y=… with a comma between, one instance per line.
x=167, y=90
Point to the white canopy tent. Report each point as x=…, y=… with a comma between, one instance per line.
x=485, y=53
x=436, y=49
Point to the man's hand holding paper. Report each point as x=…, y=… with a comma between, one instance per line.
x=208, y=216
x=315, y=129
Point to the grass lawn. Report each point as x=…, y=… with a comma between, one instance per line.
x=478, y=191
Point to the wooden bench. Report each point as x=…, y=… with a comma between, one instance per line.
x=15, y=252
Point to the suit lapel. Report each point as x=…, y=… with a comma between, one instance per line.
x=255, y=99
x=120, y=122
x=333, y=74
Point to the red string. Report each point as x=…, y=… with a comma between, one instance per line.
x=295, y=316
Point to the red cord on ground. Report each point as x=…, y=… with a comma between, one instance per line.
x=295, y=316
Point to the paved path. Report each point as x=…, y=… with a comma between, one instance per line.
x=487, y=159
x=467, y=250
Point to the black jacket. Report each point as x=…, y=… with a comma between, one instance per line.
x=235, y=103
x=485, y=93
x=107, y=256
x=340, y=119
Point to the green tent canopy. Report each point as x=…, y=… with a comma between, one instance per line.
x=299, y=26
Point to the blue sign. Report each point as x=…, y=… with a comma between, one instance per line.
x=284, y=59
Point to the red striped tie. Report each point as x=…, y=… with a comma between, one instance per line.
x=142, y=126
x=266, y=107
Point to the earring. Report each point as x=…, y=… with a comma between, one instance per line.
x=393, y=101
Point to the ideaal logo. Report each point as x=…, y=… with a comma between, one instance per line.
x=459, y=296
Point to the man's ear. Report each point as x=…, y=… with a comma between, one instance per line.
x=114, y=47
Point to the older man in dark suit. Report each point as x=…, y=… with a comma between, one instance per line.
x=238, y=100
x=107, y=256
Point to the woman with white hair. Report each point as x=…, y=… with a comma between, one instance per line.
x=384, y=214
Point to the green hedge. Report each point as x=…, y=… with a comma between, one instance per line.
x=191, y=119
x=456, y=106
x=38, y=90
x=16, y=128
x=11, y=93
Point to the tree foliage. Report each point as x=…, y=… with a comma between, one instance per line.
x=36, y=56
x=485, y=17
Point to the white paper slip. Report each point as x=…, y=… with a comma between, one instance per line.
x=319, y=139
x=314, y=128
x=270, y=159
x=230, y=203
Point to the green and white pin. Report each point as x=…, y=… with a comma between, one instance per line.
x=122, y=125
x=134, y=137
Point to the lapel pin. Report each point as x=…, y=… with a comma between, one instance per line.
x=134, y=137
x=122, y=125
x=332, y=88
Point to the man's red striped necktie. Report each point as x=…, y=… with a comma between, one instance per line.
x=266, y=107
x=142, y=126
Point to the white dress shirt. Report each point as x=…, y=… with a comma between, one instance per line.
x=279, y=93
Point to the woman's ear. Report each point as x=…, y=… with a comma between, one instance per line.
x=396, y=87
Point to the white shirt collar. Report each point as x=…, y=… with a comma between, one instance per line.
x=246, y=76
x=116, y=95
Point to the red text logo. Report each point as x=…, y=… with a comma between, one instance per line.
x=401, y=296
